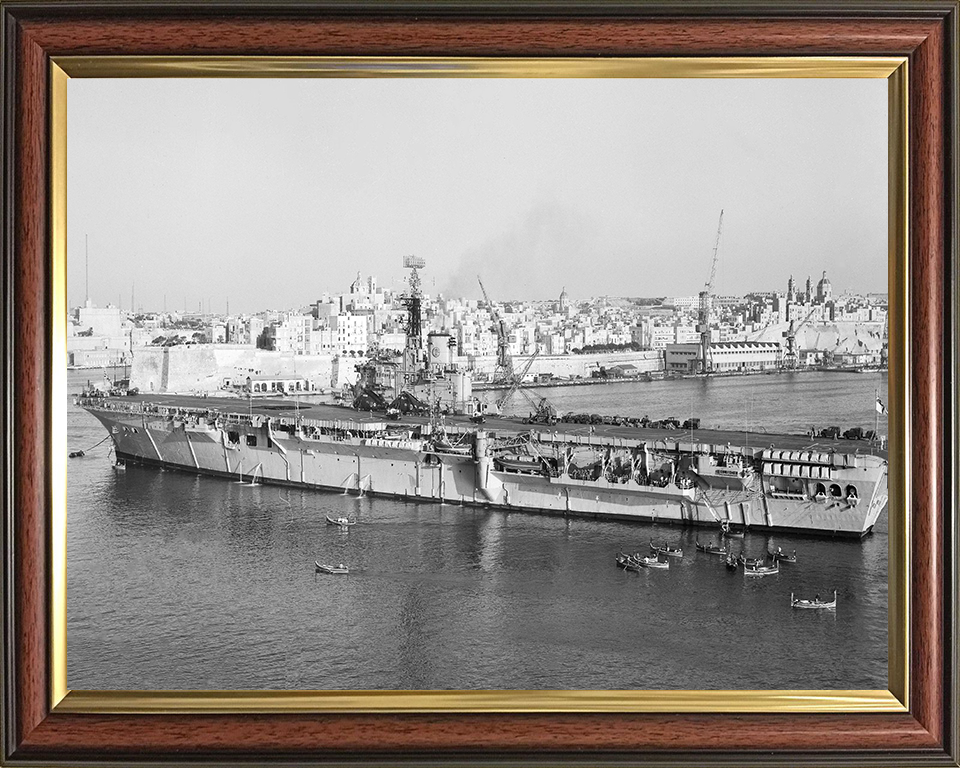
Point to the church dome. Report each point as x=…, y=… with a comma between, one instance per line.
x=824, y=289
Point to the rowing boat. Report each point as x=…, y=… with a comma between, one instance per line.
x=761, y=570
x=652, y=562
x=334, y=570
x=663, y=549
x=711, y=549
x=796, y=602
x=783, y=557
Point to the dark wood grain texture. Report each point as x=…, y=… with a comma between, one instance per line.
x=443, y=36
x=928, y=267
x=29, y=370
x=926, y=35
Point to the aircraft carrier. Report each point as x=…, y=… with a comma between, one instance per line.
x=415, y=431
x=705, y=477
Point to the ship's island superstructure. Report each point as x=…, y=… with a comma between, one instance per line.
x=417, y=433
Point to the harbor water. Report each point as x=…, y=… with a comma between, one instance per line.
x=176, y=581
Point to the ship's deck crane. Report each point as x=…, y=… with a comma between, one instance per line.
x=516, y=383
x=790, y=358
x=503, y=374
x=703, y=327
x=543, y=411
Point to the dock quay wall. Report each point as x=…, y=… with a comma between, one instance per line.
x=568, y=366
x=215, y=367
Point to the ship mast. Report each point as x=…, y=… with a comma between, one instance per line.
x=413, y=301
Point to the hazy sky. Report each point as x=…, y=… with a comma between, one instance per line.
x=271, y=192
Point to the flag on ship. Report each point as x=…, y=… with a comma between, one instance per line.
x=881, y=408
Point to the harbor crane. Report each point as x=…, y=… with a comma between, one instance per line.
x=542, y=410
x=516, y=382
x=790, y=358
x=706, y=296
x=503, y=374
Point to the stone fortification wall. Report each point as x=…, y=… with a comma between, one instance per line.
x=568, y=366
x=215, y=367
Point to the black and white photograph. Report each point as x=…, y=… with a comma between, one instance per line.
x=425, y=383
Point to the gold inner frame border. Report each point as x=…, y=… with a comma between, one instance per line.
x=895, y=699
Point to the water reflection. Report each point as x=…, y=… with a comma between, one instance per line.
x=179, y=581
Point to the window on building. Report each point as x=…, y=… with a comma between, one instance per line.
x=252, y=442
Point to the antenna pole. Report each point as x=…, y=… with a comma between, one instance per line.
x=876, y=415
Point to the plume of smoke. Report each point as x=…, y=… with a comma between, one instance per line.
x=552, y=246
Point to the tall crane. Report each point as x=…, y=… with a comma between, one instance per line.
x=504, y=370
x=706, y=295
x=517, y=382
x=543, y=410
x=790, y=358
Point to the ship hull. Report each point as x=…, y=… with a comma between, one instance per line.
x=404, y=470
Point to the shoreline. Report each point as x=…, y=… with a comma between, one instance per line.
x=646, y=378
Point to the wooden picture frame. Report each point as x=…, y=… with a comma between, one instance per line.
x=36, y=731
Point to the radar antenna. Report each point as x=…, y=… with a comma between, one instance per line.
x=413, y=351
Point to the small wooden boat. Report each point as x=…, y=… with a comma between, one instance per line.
x=728, y=532
x=520, y=463
x=662, y=549
x=653, y=562
x=336, y=570
x=627, y=562
x=796, y=602
x=761, y=570
x=731, y=562
x=341, y=521
x=783, y=557
x=711, y=549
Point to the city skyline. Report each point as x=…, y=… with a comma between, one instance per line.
x=264, y=192
x=219, y=305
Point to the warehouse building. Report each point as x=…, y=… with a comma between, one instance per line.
x=728, y=356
